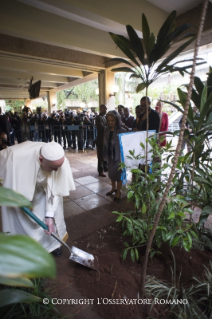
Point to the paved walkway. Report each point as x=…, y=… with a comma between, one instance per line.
x=87, y=209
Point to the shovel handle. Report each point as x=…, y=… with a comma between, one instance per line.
x=35, y=218
x=44, y=226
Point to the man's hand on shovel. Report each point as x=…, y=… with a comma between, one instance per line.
x=50, y=223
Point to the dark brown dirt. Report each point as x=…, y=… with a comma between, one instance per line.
x=119, y=280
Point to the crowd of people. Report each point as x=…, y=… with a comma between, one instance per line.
x=58, y=126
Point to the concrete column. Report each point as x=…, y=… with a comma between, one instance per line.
x=106, y=80
x=27, y=103
x=102, y=87
x=52, y=102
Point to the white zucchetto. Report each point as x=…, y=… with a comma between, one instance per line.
x=52, y=151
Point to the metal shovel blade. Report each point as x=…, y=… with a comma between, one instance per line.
x=80, y=256
x=83, y=258
x=77, y=255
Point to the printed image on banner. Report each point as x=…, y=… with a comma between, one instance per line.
x=131, y=141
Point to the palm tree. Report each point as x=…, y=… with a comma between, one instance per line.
x=144, y=54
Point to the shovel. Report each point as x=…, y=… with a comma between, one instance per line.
x=77, y=255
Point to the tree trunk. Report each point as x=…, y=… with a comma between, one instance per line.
x=164, y=199
x=147, y=135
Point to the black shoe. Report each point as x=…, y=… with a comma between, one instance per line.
x=110, y=193
x=102, y=174
x=57, y=252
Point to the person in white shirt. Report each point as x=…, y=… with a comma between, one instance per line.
x=43, y=175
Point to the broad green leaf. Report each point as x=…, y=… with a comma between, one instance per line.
x=132, y=253
x=203, y=97
x=174, y=105
x=115, y=212
x=175, y=241
x=180, y=231
x=152, y=254
x=181, y=214
x=151, y=177
x=130, y=228
x=144, y=208
x=21, y=256
x=189, y=239
x=169, y=235
x=136, y=43
x=130, y=194
x=186, y=245
x=163, y=235
x=120, y=60
x=206, y=107
x=167, y=27
x=199, y=85
x=194, y=234
x=136, y=254
x=146, y=34
x=137, y=200
x=119, y=219
x=136, y=171
x=138, y=76
x=124, y=255
x=16, y=282
x=140, y=87
x=11, y=296
x=177, y=32
x=8, y=197
x=142, y=145
x=182, y=96
x=209, y=119
x=171, y=216
x=125, y=45
x=173, y=55
x=195, y=97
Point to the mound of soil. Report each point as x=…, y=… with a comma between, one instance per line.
x=117, y=282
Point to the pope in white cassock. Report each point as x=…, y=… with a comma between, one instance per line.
x=43, y=175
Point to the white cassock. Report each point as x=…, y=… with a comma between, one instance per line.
x=21, y=171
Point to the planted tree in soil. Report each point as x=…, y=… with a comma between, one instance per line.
x=143, y=57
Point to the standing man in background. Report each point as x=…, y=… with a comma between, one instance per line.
x=101, y=124
x=154, y=119
x=128, y=119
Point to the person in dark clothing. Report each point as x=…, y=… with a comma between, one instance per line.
x=56, y=129
x=68, y=132
x=63, y=123
x=4, y=126
x=128, y=119
x=112, y=152
x=88, y=127
x=121, y=111
x=154, y=118
x=3, y=141
x=101, y=124
x=46, y=133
